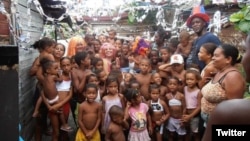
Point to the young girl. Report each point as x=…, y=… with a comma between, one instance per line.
x=89, y=116
x=64, y=87
x=156, y=79
x=177, y=107
x=137, y=112
x=51, y=97
x=117, y=124
x=193, y=101
x=92, y=78
x=205, y=54
x=113, y=97
x=158, y=110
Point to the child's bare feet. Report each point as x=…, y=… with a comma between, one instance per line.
x=35, y=114
x=66, y=128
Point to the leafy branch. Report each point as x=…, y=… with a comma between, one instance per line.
x=241, y=19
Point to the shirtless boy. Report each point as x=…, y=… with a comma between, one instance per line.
x=89, y=116
x=79, y=74
x=117, y=124
x=144, y=77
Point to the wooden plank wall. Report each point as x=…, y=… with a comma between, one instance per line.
x=26, y=58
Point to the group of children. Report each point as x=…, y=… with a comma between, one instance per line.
x=138, y=99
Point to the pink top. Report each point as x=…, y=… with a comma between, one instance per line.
x=191, y=98
x=139, y=117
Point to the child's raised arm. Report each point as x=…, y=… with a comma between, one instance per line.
x=165, y=67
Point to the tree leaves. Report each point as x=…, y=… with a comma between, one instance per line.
x=241, y=19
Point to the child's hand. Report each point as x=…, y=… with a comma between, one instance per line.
x=158, y=122
x=150, y=130
x=128, y=104
x=90, y=135
x=186, y=118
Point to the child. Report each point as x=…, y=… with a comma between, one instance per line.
x=156, y=79
x=193, y=102
x=132, y=63
x=117, y=124
x=89, y=115
x=144, y=77
x=50, y=96
x=64, y=87
x=73, y=62
x=79, y=75
x=126, y=81
x=205, y=54
x=118, y=44
x=113, y=97
x=92, y=78
x=97, y=45
x=97, y=64
x=154, y=57
x=177, y=108
x=165, y=54
x=102, y=77
x=185, y=45
x=158, y=110
x=137, y=112
x=124, y=62
x=175, y=68
x=172, y=45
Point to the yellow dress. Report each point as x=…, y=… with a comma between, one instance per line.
x=81, y=137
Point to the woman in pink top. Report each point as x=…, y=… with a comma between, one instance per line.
x=140, y=118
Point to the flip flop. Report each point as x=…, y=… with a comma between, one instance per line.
x=67, y=129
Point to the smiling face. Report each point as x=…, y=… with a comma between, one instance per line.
x=219, y=59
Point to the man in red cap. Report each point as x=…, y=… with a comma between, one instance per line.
x=199, y=23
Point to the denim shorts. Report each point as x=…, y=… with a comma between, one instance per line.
x=205, y=117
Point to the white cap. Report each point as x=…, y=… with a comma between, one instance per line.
x=176, y=59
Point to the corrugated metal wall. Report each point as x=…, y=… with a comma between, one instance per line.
x=26, y=58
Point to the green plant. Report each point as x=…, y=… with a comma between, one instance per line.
x=241, y=19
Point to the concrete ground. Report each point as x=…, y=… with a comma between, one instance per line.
x=71, y=134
